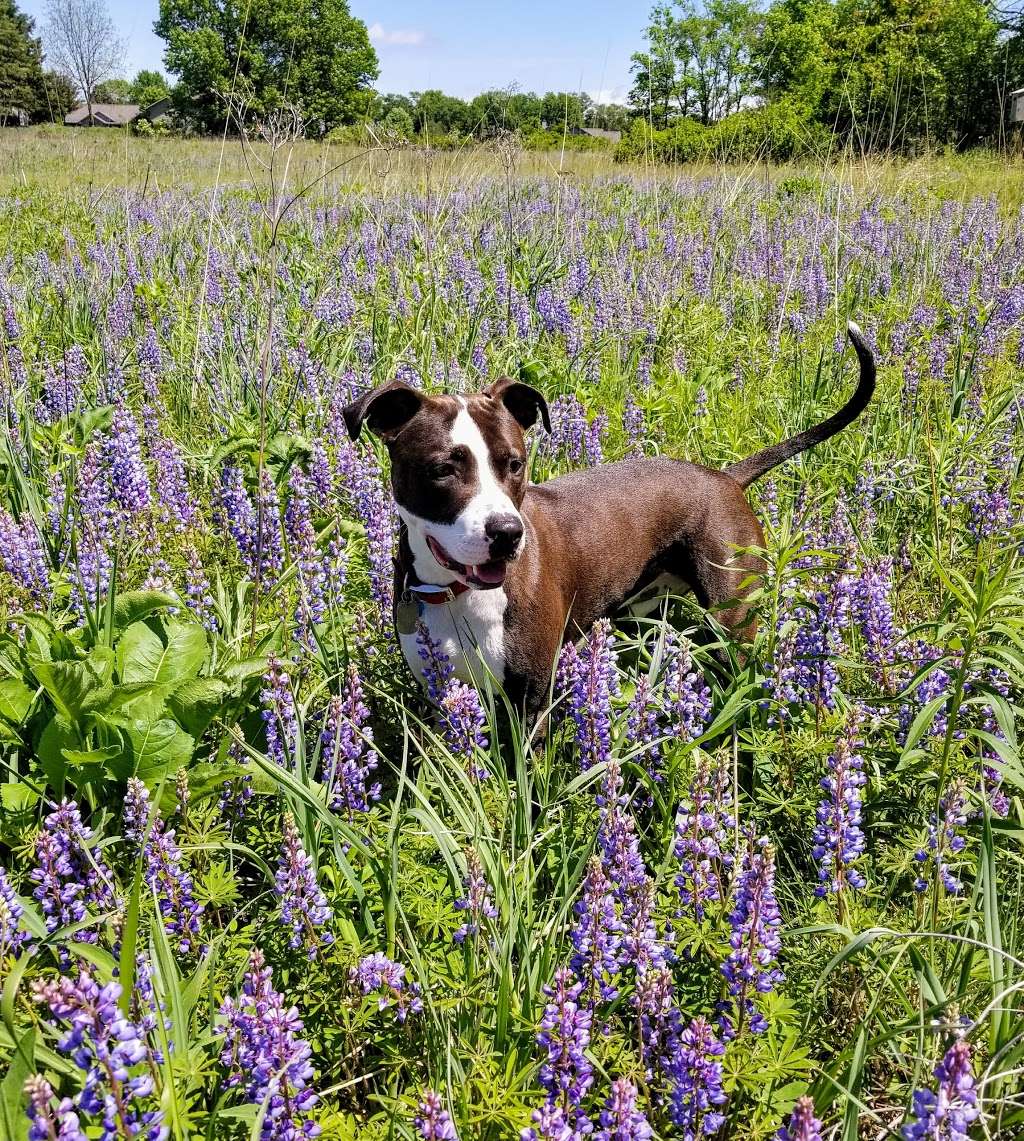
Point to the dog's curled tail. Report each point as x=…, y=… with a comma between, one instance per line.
x=753, y=467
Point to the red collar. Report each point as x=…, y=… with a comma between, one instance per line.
x=434, y=595
x=409, y=582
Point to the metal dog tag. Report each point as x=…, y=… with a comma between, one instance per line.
x=407, y=614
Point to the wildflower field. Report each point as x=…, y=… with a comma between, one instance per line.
x=256, y=885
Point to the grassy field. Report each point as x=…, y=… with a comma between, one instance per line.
x=254, y=885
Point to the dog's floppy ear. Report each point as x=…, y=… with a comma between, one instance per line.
x=525, y=403
x=384, y=410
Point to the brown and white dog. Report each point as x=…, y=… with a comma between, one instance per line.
x=501, y=570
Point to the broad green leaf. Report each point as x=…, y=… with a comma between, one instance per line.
x=142, y=654
x=68, y=684
x=195, y=702
x=159, y=749
x=134, y=605
x=54, y=739
x=15, y=701
x=76, y=757
x=14, y=1121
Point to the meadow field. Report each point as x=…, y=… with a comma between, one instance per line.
x=254, y=884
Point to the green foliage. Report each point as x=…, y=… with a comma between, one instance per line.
x=316, y=57
x=21, y=67
x=148, y=87
x=113, y=91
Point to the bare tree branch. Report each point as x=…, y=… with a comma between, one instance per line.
x=81, y=41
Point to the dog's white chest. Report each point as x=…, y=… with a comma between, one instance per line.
x=470, y=630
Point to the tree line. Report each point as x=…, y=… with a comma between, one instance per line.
x=720, y=75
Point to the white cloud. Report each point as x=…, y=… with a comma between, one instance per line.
x=399, y=37
x=608, y=95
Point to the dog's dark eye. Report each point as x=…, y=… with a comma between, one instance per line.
x=516, y=465
x=441, y=471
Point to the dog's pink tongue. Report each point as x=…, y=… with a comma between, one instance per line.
x=493, y=573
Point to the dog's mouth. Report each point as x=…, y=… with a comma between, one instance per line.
x=484, y=576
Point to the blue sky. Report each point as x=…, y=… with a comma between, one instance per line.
x=463, y=47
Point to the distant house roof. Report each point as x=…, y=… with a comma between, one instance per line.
x=598, y=133
x=103, y=115
x=157, y=110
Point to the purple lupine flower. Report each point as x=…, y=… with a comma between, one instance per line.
x=51, y=1122
x=166, y=875
x=378, y=973
x=137, y=811
x=267, y=1055
x=936, y=683
x=176, y=502
x=237, y=514
x=687, y=697
x=947, y=1114
x=269, y=551
x=23, y=556
x=634, y=424
x=590, y=678
x=621, y=1119
x=62, y=387
x=595, y=936
x=280, y=717
x=234, y=798
x=754, y=938
x=838, y=837
x=96, y=530
x=550, y=1124
x=432, y=1120
x=12, y=938
x=198, y=591
x=437, y=668
x=632, y=888
x=463, y=721
x=660, y=1024
x=304, y=907
x=129, y=479
x=803, y=1125
x=566, y=1072
x=348, y=752
x=361, y=477
x=694, y=1071
x=592, y=441
x=945, y=839
x=992, y=781
x=320, y=575
x=704, y=828
x=872, y=610
x=69, y=874
x=569, y=429
x=476, y=903
x=642, y=728
x=110, y=1050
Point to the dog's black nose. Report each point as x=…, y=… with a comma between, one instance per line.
x=505, y=533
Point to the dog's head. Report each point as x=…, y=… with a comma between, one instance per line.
x=458, y=469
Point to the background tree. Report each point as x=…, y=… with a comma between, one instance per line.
x=59, y=96
x=312, y=54
x=147, y=87
x=21, y=62
x=561, y=109
x=113, y=91
x=609, y=116
x=655, y=90
x=82, y=42
x=435, y=113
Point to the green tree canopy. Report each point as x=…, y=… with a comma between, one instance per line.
x=21, y=63
x=113, y=91
x=149, y=86
x=886, y=72
x=59, y=96
x=312, y=54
